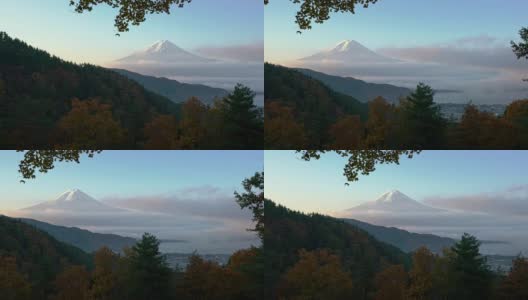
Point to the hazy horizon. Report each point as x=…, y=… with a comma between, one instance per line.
x=176, y=195
x=435, y=43
x=488, y=200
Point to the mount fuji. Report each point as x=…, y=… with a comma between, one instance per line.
x=72, y=201
x=163, y=52
x=392, y=202
x=348, y=52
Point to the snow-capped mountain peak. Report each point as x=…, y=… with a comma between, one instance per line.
x=393, y=201
x=394, y=196
x=71, y=201
x=348, y=52
x=74, y=195
x=163, y=45
x=163, y=52
x=348, y=45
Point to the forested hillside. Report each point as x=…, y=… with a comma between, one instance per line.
x=46, y=102
x=176, y=91
x=33, y=265
x=291, y=237
x=300, y=110
x=83, y=239
x=363, y=91
x=404, y=240
x=319, y=257
x=37, y=255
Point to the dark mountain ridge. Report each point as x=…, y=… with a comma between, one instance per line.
x=359, y=89
x=404, y=240
x=39, y=256
x=176, y=91
x=36, y=90
x=86, y=240
x=288, y=231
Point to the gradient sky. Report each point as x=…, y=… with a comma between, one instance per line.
x=54, y=26
x=128, y=174
x=319, y=185
x=405, y=23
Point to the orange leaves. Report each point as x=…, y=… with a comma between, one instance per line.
x=73, y=283
x=161, y=133
x=391, y=283
x=281, y=131
x=13, y=285
x=89, y=125
x=347, y=133
x=317, y=275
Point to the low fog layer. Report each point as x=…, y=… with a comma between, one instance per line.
x=483, y=69
x=499, y=219
x=205, y=219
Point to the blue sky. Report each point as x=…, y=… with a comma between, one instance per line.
x=128, y=174
x=54, y=26
x=319, y=185
x=388, y=23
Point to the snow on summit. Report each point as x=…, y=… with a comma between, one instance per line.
x=348, y=52
x=163, y=52
x=393, y=201
x=71, y=201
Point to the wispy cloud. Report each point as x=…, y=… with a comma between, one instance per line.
x=483, y=67
x=253, y=52
x=206, y=217
x=512, y=201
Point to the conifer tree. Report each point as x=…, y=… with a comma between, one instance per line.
x=423, y=124
x=149, y=271
x=473, y=277
x=244, y=126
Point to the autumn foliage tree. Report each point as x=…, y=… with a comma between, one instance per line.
x=193, y=124
x=380, y=124
x=73, y=283
x=421, y=275
x=89, y=125
x=13, y=285
x=391, y=283
x=105, y=275
x=161, y=133
x=347, y=133
x=318, y=274
x=281, y=131
x=483, y=130
x=515, y=285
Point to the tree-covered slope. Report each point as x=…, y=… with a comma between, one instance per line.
x=404, y=240
x=359, y=89
x=176, y=91
x=287, y=232
x=39, y=256
x=314, y=105
x=83, y=239
x=37, y=89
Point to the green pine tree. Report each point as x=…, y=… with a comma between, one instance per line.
x=149, y=271
x=473, y=276
x=244, y=125
x=424, y=126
